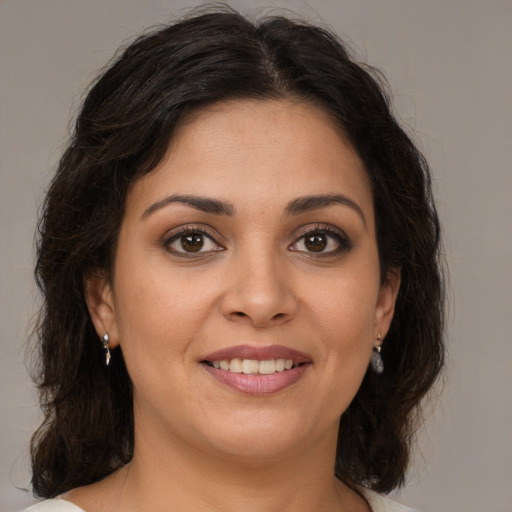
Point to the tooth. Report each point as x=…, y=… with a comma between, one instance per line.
x=253, y=366
x=279, y=365
x=267, y=367
x=250, y=366
x=235, y=366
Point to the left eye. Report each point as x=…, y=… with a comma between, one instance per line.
x=320, y=241
x=191, y=242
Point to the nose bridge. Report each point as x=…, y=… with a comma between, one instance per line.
x=259, y=286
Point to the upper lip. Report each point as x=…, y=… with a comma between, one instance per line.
x=258, y=353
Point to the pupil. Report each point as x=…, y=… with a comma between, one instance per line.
x=192, y=243
x=316, y=243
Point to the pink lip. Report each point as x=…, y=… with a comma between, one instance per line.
x=258, y=353
x=258, y=384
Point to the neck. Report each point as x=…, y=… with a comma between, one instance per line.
x=196, y=479
x=168, y=473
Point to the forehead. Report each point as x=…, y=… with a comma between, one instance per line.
x=255, y=151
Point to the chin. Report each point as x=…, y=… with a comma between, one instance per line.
x=261, y=435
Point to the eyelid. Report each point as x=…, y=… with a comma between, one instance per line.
x=175, y=233
x=343, y=241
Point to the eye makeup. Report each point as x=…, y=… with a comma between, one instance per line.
x=192, y=242
x=317, y=241
x=321, y=241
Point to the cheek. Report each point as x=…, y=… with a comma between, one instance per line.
x=153, y=310
x=346, y=302
x=159, y=311
x=347, y=344
x=343, y=313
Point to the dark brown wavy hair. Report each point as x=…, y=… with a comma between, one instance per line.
x=122, y=132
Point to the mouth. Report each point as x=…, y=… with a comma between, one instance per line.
x=254, y=366
x=257, y=370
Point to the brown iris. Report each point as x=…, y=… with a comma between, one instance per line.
x=192, y=242
x=316, y=242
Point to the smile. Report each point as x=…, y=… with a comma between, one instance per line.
x=253, y=366
x=257, y=370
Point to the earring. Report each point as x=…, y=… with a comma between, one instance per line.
x=106, y=347
x=376, y=361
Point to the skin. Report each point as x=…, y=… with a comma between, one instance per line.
x=200, y=445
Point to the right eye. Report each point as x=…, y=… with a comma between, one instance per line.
x=322, y=242
x=191, y=241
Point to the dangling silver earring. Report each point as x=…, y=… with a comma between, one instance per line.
x=106, y=347
x=376, y=361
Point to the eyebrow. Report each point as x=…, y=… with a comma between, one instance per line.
x=308, y=203
x=215, y=206
x=203, y=204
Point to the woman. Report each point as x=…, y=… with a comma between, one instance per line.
x=236, y=230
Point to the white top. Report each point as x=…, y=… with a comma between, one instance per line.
x=56, y=505
x=377, y=503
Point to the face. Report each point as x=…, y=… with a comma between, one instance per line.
x=246, y=293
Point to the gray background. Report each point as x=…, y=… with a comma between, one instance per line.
x=450, y=67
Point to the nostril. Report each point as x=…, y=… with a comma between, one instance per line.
x=239, y=313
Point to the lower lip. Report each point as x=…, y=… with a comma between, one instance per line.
x=257, y=384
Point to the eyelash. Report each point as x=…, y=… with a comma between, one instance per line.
x=191, y=230
x=342, y=241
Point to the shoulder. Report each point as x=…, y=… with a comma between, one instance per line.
x=379, y=503
x=56, y=505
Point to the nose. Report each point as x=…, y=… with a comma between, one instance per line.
x=259, y=291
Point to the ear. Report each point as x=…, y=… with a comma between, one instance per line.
x=386, y=302
x=100, y=302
